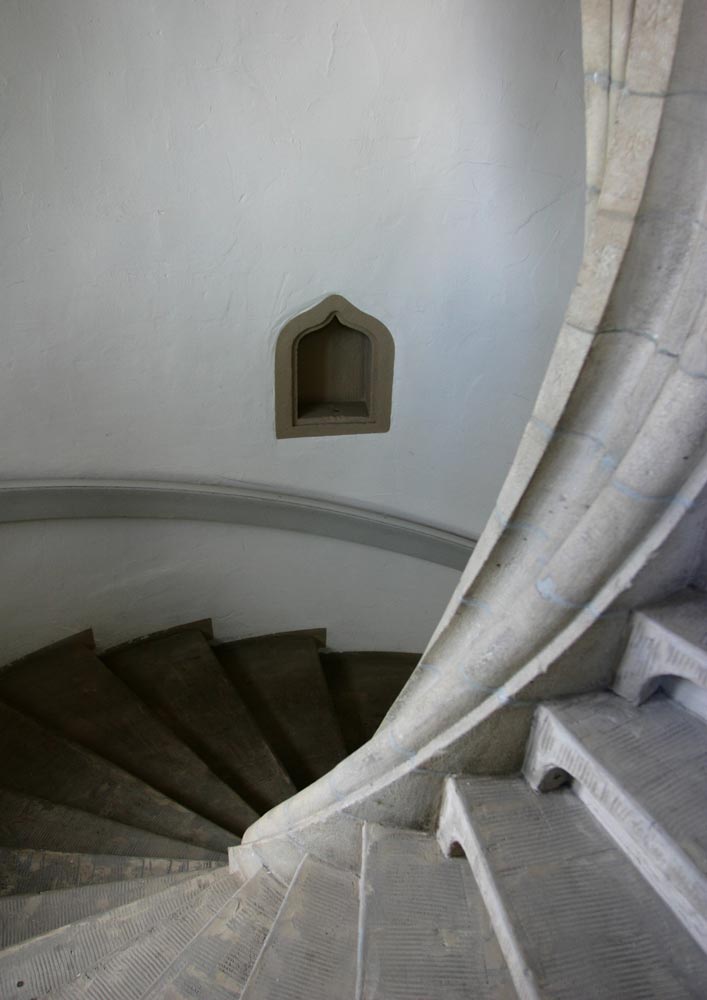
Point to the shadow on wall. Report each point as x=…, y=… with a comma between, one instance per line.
x=132, y=577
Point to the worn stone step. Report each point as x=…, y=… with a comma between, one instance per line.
x=668, y=643
x=181, y=680
x=31, y=914
x=42, y=763
x=36, y=823
x=310, y=952
x=70, y=690
x=643, y=775
x=137, y=969
x=281, y=680
x=363, y=686
x=25, y=870
x=45, y=964
x=572, y=915
x=217, y=962
x=424, y=929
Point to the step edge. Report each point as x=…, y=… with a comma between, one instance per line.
x=455, y=826
x=671, y=876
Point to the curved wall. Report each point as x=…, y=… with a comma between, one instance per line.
x=179, y=178
x=131, y=577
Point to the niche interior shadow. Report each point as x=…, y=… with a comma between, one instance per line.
x=333, y=372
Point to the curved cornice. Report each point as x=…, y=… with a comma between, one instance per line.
x=52, y=499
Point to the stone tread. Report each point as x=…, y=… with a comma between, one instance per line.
x=281, y=680
x=216, y=964
x=363, y=686
x=27, y=821
x=41, y=763
x=310, y=952
x=656, y=753
x=182, y=681
x=134, y=971
x=72, y=691
x=666, y=641
x=584, y=920
x=425, y=931
x=46, y=963
x=27, y=870
x=32, y=914
x=684, y=614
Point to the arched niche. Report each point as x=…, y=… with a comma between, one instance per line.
x=333, y=372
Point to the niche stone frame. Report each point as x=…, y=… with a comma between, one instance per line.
x=333, y=372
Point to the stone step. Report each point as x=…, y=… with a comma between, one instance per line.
x=310, y=952
x=217, y=962
x=572, y=915
x=47, y=963
x=27, y=821
x=424, y=929
x=70, y=690
x=642, y=773
x=181, y=680
x=25, y=870
x=137, y=969
x=666, y=641
x=42, y=763
x=31, y=914
x=363, y=686
x=281, y=680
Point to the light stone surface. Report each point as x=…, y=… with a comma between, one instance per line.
x=667, y=641
x=573, y=917
x=135, y=969
x=217, y=962
x=642, y=773
x=423, y=929
x=310, y=952
x=30, y=915
x=47, y=963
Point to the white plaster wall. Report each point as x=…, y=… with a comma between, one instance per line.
x=128, y=578
x=178, y=177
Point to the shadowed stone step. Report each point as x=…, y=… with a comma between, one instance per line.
x=363, y=687
x=310, y=952
x=668, y=641
x=41, y=763
x=46, y=963
x=216, y=964
x=69, y=689
x=572, y=915
x=425, y=931
x=643, y=775
x=138, y=969
x=29, y=915
x=281, y=680
x=26, y=870
x=179, y=677
x=36, y=823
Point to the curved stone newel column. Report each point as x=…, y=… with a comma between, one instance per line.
x=615, y=453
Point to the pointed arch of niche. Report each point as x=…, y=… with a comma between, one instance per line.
x=333, y=372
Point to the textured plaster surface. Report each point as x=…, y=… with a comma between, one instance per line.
x=179, y=179
x=133, y=577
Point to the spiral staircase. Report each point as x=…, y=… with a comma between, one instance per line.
x=184, y=819
x=127, y=777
